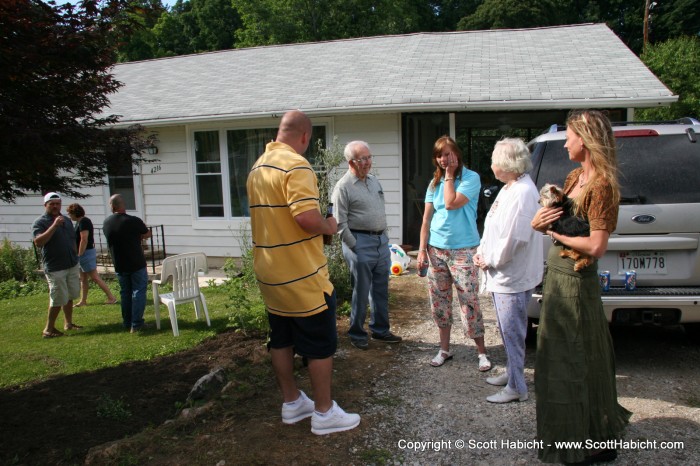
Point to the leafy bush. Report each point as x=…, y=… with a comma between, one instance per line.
x=14, y=289
x=328, y=173
x=16, y=263
x=247, y=308
x=17, y=277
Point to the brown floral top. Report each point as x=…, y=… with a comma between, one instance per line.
x=597, y=204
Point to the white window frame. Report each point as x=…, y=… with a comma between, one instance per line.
x=227, y=221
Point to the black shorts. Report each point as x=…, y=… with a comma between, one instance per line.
x=315, y=337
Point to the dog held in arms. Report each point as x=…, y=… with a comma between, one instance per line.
x=568, y=224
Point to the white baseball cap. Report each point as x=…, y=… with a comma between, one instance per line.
x=51, y=197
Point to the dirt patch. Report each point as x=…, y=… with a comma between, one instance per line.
x=398, y=395
x=67, y=419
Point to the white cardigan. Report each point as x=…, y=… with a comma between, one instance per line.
x=509, y=246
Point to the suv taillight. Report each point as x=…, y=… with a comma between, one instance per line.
x=635, y=133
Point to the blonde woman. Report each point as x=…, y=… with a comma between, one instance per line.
x=575, y=363
x=448, y=241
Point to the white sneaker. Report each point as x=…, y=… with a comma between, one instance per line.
x=336, y=420
x=498, y=380
x=506, y=395
x=303, y=407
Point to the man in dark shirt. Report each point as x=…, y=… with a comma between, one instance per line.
x=53, y=233
x=124, y=234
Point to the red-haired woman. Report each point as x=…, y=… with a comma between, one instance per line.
x=448, y=241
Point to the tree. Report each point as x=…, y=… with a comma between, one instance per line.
x=676, y=63
x=267, y=22
x=509, y=14
x=137, y=39
x=194, y=26
x=674, y=18
x=54, y=85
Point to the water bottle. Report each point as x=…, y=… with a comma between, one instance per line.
x=423, y=269
x=328, y=239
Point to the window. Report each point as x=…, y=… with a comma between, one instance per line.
x=208, y=174
x=120, y=176
x=216, y=173
x=244, y=148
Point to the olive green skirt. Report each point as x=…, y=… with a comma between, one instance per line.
x=575, y=364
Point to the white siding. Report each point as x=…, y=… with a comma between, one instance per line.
x=16, y=219
x=168, y=189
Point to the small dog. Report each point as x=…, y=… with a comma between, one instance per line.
x=568, y=224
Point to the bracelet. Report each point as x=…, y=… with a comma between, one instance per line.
x=422, y=250
x=449, y=179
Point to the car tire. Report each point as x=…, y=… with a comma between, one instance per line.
x=531, y=336
x=693, y=332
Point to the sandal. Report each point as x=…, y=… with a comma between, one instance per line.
x=51, y=334
x=484, y=363
x=441, y=357
x=111, y=301
x=79, y=304
x=72, y=327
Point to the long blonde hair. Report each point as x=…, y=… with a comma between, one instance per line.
x=440, y=145
x=594, y=128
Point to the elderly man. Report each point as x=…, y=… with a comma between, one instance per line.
x=292, y=274
x=358, y=201
x=124, y=233
x=53, y=233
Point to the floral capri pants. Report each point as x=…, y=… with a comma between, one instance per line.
x=455, y=266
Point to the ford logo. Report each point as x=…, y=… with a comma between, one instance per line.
x=644, y=219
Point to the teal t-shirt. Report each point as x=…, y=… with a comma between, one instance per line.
x=455, y=229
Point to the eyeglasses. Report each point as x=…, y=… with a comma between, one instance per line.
x=363, y=159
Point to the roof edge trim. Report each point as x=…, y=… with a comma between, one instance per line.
x=514, y=105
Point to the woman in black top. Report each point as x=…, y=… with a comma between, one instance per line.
x=87, y=255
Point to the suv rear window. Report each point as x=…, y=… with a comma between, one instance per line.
x=673, y=160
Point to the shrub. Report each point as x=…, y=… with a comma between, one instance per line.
x=327, y=169
x=16, y=263
x=14, y=289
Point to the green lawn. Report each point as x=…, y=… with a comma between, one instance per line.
x=27, y=357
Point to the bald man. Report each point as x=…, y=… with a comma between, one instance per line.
x=124, y=233
x=292, y=274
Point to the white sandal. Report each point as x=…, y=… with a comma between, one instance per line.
x=441, y=357
x=484, y=363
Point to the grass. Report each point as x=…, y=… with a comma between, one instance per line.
x=25, y=357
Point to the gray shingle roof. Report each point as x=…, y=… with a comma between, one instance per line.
x=558, y=67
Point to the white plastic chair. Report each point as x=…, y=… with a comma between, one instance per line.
x=184, y=268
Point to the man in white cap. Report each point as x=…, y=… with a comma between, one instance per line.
x=53, y=233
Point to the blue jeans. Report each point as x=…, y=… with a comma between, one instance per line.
x=133, y=295
x=369, y=265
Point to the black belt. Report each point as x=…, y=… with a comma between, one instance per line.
x=368, y=232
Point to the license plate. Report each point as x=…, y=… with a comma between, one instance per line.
x=643, y=262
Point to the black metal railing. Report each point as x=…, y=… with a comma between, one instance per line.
x=153, y=249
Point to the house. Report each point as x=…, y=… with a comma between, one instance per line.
x=214, y=112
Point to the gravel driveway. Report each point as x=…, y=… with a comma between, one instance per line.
x=429, y=415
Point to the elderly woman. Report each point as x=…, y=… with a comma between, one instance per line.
x=87, y=255
x=510, y=254
x=448, y=241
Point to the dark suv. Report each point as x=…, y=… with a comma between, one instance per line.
x=658, y=229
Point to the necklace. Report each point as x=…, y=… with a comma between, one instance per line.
x=581, y=182
x=511, y=182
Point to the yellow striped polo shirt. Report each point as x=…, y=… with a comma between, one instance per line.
x=289, y=263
